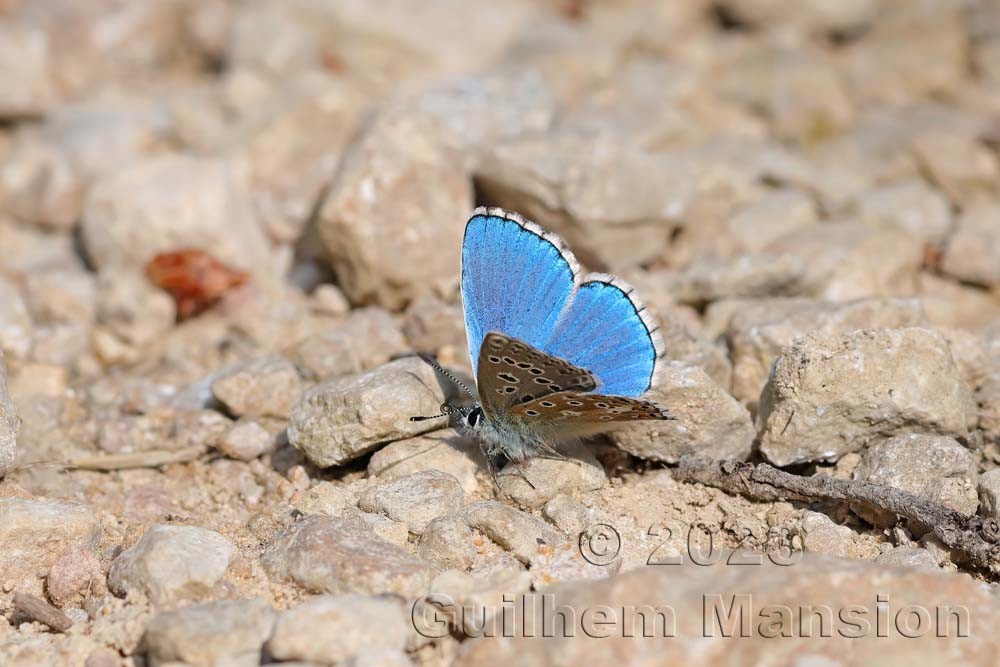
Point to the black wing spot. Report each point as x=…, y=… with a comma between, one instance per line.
x=532, y=413
x=555, y=387
x=494, y=359
x=509, y=389
x=527, y=398
x=543, y=381
x=547, y=404
x=507, y=377
x=509, y=361
x=523, y=365
x=601, y=405
x=574, y=403
x=536, y=371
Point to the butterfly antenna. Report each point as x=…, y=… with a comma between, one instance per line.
x=448, y=374
x=446, y=411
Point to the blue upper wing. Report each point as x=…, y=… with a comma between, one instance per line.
x=516, y=279
x=606, y=330
x=522, y=281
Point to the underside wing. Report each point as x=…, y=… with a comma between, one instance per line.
x=511, y=372
x=584, y=408
x=538, y=426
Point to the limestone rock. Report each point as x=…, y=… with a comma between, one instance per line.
x=172, y=203
x=230, y=632
x=934, y=467
x=710, y=422
x=332, y=555
x=331, y=629
x=36, y=532
x=172, y=563
x=700, y=608
x=398, y=194
x=415, y=499
x=9, y=423
x=832, y=394
x=339, y=420
x=267, y=387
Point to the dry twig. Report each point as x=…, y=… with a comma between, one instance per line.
x=39, y=610
x=976, y=537
x=153, y=458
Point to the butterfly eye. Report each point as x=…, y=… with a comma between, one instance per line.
x=474, y=416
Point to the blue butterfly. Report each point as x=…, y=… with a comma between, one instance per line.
x=545, y=341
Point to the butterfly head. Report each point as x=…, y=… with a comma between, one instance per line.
x=470, y=417
x=473, y=419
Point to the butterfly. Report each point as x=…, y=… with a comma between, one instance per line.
x=556, y=355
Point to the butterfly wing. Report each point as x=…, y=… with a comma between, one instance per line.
x=521, y=280
x=606, y=330
x=567, y=414
x=516, y=278
x=512, y=372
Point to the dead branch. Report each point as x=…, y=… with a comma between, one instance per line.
x=976, y=537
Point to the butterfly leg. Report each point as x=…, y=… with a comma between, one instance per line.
x=494, y=473
x=517, y=472
x=540, y=450
x=549, y=451
x=490, y=465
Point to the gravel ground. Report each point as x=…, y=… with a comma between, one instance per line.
x=226, y=226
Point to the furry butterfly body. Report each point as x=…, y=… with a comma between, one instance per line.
x=556, y=355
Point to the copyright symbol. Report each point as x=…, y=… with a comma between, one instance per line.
x=600, y=544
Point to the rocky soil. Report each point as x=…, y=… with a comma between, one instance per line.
x=222, y=470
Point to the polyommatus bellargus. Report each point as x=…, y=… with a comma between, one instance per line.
x=545, y=341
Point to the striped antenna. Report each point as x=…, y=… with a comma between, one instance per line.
x=446, y=409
